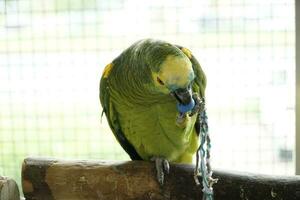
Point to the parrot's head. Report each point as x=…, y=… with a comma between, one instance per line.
x=175, y=75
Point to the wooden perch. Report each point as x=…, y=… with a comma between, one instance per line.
x=61, y=180
x=8, y=189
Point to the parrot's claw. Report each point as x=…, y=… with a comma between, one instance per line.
x=212, y=181
x=166, y=166
x=181, y=118
x=162, y=166
x=196, y=178
x=199, y=105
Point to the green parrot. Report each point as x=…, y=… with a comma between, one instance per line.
x=152, y=94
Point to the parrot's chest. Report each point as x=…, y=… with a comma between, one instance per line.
x=153, y=130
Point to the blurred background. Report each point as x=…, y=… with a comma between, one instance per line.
x=52, y=54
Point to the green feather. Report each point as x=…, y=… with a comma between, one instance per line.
x=140, y=113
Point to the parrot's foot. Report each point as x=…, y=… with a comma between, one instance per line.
x=197, y=174
x=199, y=104
x=162, y=166
x=180, y=118
x=212, y=181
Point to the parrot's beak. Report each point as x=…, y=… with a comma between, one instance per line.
x=183, y=95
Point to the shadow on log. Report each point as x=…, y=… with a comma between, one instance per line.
x=8, y=189
x=136, y=180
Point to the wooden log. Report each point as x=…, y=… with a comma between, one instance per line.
x=8, y=189
x=78, y=180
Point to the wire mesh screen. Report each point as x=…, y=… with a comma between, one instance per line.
x=52, y=54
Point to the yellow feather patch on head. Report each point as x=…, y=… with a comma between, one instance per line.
x=107, y=70
x=176, y=71
x=187, y=52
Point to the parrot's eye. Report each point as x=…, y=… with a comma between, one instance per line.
x=160, y=81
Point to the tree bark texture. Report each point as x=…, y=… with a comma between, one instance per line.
x=136, y=180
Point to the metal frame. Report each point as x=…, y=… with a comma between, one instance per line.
x=297, y=116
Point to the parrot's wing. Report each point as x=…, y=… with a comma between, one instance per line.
x=112, y=117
